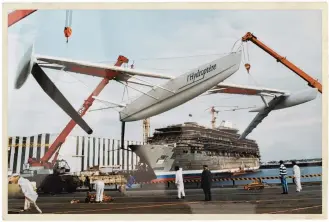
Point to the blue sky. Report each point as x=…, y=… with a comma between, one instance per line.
x=103, y=35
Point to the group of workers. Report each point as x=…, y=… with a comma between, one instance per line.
x=31, y=195
x=296, y=177
x=206, y=181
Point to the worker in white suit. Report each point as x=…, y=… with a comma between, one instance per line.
x=296, y=171
x=99, y=186
x=28, y=190
x=179, y=182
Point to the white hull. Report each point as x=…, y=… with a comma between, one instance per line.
x=183, y=89
x=162, y=160
x=233, y=170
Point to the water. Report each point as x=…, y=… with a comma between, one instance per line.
x=264, y=173
x=275, y=172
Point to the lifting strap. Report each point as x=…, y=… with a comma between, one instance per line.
x=68, y=20
x=68, y=25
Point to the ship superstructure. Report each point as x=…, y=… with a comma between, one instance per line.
x=190, y=146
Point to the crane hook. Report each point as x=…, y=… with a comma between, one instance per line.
x=67, y=33
x=247, y=65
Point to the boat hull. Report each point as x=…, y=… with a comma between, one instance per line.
x=162, y=160
x=182, y=89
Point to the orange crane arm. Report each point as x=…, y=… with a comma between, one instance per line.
x=311, y=81
x=18, y=15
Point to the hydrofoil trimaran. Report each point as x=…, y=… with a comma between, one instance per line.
x=158, y=100
x=175, y=92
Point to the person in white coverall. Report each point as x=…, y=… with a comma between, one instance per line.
x=296, y=171
x=179, y=182
x=99, y=186
x=27, y=189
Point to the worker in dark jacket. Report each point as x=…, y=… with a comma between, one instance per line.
x=87, y=184
x=206, y=180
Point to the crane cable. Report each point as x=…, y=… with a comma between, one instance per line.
x=248, y=51
x=126, y=86
x=247, y=62
x=68, y=25
x=233, y=109
x=125, y=90
x=235, y=44
x=170, y=57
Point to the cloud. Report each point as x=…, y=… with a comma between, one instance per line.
x=151, y=34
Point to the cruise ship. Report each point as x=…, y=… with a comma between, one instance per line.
x=190, y=146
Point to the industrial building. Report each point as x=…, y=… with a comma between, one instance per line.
x=80, y=152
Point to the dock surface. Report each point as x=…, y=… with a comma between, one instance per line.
x=224, y=201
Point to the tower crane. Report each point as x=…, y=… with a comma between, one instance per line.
x=213, y=117
x=146, y=129
x=215, y=112
x=311, y=81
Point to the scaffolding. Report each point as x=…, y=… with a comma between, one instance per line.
x=192, y=138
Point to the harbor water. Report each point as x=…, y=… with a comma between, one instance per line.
x=275, y=172
x=261, y=173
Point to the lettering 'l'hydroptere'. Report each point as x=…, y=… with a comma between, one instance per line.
x=193, y=76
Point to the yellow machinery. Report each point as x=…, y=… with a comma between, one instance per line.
x=100, y=172
x=255, y=185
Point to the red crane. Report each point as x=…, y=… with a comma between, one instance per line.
x=18, y=15
x=13, y=18
x=54, y=148
x=311, y=81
